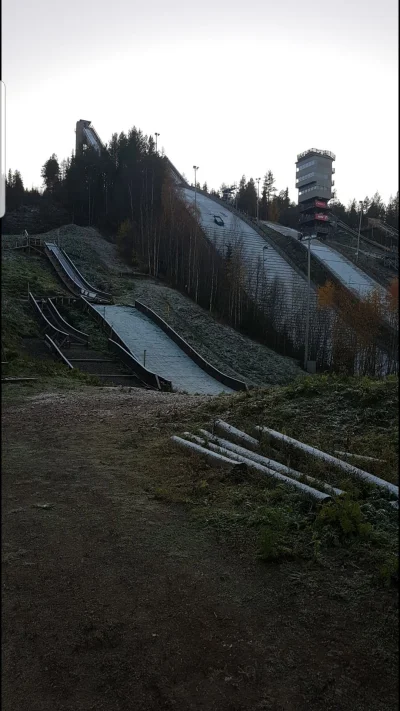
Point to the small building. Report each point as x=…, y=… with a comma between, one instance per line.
x=314, y=182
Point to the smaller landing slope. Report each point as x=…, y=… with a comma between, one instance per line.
x=163, y=356
x=351, y=276
x=57, y=253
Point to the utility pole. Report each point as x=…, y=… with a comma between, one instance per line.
x=156, y=135
x=359, y=231
x=308, y=303
x=195, y=168
x=258, y=194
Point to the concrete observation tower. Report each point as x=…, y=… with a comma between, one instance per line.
x=314, y=182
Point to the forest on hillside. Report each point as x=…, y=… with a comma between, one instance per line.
x=94, y=188
x=128, y=193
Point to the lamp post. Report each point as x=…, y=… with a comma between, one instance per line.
x=308, y=303
x=264, y=284
x=264, y=250
x=156, y=135
x=359, y=231
x=195, y=168
x=236, y=195
x=258, y=194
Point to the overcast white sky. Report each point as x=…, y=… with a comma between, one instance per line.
x=234, y=87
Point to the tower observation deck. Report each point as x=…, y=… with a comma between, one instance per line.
x=314, y=182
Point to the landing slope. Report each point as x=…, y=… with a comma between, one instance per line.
x=163, y=356
x=351, y=276
x=235, y=231
x=220, y=344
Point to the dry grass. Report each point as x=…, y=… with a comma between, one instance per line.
x=183, y=552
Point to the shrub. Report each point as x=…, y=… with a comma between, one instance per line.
x=272, y=548
x=344, y=518
x=389, y=571
x=272, y=539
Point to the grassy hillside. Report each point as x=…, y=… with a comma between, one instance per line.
x=22, y=342
x=97, y=258
x=351, y=414
x=20, y=273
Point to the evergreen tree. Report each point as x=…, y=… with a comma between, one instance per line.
x=18, y=185
x=392, y=211
x=376, y=208
x=263, y=208
x=51, y=173
x=241, y=195
x=268, y=190
x=250, y=194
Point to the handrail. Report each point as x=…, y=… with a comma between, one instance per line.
x=68, y=281
x=55, y=331
x=103, y=294
x=362, y=237
x=64, y=274
x=347, y=228
x=74, y=331
x=380, y=224
x=146, y=376
x=317, y=151
x=56, y=350
x=233, y=383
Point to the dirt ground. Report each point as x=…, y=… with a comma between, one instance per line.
x=113, y=599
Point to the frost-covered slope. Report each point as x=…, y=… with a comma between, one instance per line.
x=234, y=232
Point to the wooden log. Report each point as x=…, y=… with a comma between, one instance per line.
x=304, y=488
x=339, y=463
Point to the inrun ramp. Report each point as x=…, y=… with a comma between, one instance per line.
x=67, y=267
x=163, y=356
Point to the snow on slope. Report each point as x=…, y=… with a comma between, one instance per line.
x=255, y=249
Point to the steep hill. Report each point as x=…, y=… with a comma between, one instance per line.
x=225, y=348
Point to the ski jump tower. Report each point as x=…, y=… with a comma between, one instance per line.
x=314, y=182
x=86, y=136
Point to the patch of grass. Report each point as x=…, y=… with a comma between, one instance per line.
x=20, y=270
x=17, y=322
x=388, y=572
x=98, y=340
x=273, y=539
x=25, y=366
x=360, y=527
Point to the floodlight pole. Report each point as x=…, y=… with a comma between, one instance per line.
x=308, y=303
x=195, y=168
x=359, y=231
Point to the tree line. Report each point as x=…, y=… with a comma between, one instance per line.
x=276, y=206
x=126, y=190
x=95, y=188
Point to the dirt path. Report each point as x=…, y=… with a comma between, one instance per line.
x=113, y=600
